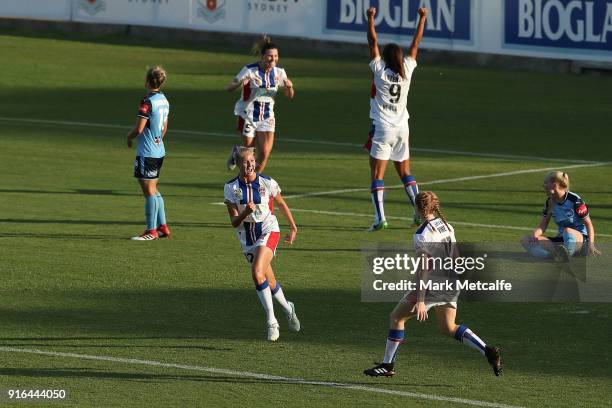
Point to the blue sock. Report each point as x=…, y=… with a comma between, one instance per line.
x=378, y=192
x=161, y=212
x=468, y=337
x=394, y=340
x=411, y=187
x=151, y=212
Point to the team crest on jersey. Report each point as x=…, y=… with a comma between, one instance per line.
x=262, y=191
x=92, y=7
x=211, y=10
x=238, y=194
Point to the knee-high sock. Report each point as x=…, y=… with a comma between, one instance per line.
x=411, y=187
x=466, y=336
x=265, y=297
x=151, y=212
x=279, y=296
x=161, y=210
x=394, y=340
x=378, y=198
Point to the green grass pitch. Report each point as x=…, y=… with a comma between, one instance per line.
x=72, y=283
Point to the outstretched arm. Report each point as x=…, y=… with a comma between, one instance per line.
x=372, y=38
x=418, y=35
x=282, y=206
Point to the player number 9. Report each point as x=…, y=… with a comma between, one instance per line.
x=395, y=90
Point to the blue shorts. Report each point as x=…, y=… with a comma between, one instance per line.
x=147, y=168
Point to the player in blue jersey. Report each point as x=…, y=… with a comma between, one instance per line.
x=575, y=231
x=250, y=200
x=260, y=82
x=434, y=239
x=150, y=129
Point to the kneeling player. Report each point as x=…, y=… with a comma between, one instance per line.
x=434, y=230
x=250, y=201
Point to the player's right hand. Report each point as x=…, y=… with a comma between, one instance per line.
x=420, y=311
x=250, y=208
x=371, y=12
x=129, y=142
x=423, y=12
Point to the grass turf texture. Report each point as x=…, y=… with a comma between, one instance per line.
x=71, y=282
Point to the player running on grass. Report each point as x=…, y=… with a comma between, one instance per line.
x=255, y=108
x=575, y=231
x=389, y=134
x=434, y=238
x=150, y=129
x=250, y=199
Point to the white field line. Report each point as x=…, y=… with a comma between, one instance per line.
x=261, y=376
x=453, y=180
x=469, y=224
x=284, y=139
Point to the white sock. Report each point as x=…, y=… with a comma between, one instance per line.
x=468, y=337
x=279, y=296
x=394, y=340
x=265, y=297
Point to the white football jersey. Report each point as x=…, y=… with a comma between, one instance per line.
x=390, y=93
x=261, y=192
x=256, y=102
x=431, y=234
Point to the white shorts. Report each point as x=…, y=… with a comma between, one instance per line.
x=390, y=143
x=247, y=128
x=269, y=239
x=411, y=298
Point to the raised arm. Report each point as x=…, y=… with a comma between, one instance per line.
x=418, y=35
x=282, y=206
x=372, y=38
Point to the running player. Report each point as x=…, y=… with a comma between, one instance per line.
x=389, y=133
x=151, y=127
x=255, y=108
x=250, y=199
x=427, y=239
x=575, y=231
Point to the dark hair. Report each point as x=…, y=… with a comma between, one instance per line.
x=263, y=44
x=394, y=59
x=156, y=76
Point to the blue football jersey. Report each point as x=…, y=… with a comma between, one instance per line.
x=570, y=212
x=155, y=108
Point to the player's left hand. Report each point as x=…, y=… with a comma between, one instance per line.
x=290, y=238
x=423, y=12
x=288, y=83
x=594, y=251
x=420, y=311
x=129, y=142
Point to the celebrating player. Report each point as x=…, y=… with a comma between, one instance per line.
x=389, y=134
x=151, y=128
x=255, y=108
x=575, y=233
x=427, y=241
x=250, y=201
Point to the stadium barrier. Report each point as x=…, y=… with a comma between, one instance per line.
x=562, y=30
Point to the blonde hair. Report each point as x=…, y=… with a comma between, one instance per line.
x=156, y=76
x=427, y=202
x=557, y=177
x=264, y=43
x=242, y=152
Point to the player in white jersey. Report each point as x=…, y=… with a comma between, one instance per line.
x=260, y=82
x=389, y=134
x=435, y=238
x=250, y=199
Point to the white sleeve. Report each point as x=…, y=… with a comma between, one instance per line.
x=228, y=195
x=244, y=73
x=282, y=77
x=410, y=63
x=274, y=188
x=376, y=64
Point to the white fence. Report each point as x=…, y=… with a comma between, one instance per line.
x=562, y=29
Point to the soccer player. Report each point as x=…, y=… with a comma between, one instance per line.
x=255, y=108
x=150, y=129
x=250, y=199
x=389, y=134
x=434, y=238
x=575, y=231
